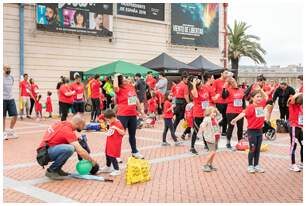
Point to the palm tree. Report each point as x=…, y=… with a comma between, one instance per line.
x=243, y=45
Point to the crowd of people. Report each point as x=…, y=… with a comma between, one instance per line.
x=209, y=107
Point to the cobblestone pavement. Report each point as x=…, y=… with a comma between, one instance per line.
x=176, y=174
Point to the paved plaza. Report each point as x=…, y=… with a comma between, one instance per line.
x=176, y=174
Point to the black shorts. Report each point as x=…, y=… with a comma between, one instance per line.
x=78, y=107
x=10, y=107
x=270, y=102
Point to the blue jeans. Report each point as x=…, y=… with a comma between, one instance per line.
x=59, y=154
x=130, y=122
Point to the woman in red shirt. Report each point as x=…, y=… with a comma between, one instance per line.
x=255, y=116
x=95, y=87
x=65, y=98
x=127, y=103
x=34, y=91
x=234, y=97
x=78, y=99
x=295, y=104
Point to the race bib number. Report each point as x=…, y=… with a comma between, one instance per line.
x=259, y=112
x=300, y=120
x=110, y=132
x=237, y=102
x=205, y=104
x=79, y=96
x=132, y=100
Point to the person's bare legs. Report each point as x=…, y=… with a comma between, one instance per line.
x=4, y=124
x=13, y=122
x=269, y=112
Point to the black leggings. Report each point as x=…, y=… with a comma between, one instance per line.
x=179, y=112
x=255, y=140
x=230, y=127
x=187, y=131
x=130, y=122
x=284, y=112
x=32, y=105
x=95, y=108
x=112, y=161
x=168, y=125
x=222, y=110
x=64, y=107
x=296, y=134
x=196, y=125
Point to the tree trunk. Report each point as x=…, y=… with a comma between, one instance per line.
x=235, y=65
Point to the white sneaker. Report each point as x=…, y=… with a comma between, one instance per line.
x=11, y=134
x=300, y=165
x=259, y=169
x=5, y=135
x=251, y=169
x=106, y=169
x=294, y=168
x=137, y=155
x=115, y=173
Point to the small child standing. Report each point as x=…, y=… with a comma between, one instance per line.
x=255, y=116
x=295, y=104
x=114, y=135
x=152, y=104
x=49, y=104
x=38, y=108
x=210, y=128
x=189, y=119
x=168, y=116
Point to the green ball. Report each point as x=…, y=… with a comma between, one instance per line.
x=112, y=93
x=83, y=167
x=101, y=78
x=44, y=106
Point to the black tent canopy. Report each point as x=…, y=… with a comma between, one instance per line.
x=166, y=62
x=204, y=64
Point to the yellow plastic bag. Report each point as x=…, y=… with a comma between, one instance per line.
x=20, y=103
x=137, y=171
x=184, y=124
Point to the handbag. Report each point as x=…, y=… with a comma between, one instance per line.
x=42, y=157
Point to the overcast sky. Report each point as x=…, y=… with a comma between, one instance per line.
x=279, y=25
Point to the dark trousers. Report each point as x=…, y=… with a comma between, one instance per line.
x=196, y=125
x=95, y=108
x=112, y=161
x=168, y=125
x=187, y=131
x=296, y=134
x=32, y=105
x=64, y=107
x=230, y=127
x=179, y=112
x=59, y=109
x=130, y=122
x=255, y=140
x=284, y=112
x=222, y=110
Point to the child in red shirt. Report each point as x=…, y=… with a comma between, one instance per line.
x=189, y=119
x=101, y=97
x=114, y=135
x=295, y=104
x=255, y=116
x=49, y=104
x=168, y=116
x=38, y=108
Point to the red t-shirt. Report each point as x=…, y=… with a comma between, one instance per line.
x=95, y=86
x=173, y=89
x=152, y=104
x=218, y=87
x=168, y=114
x=25, y=88
x=38, y=107
x=189, y=117
x=255, y=115
x=234, y=101
x=295, y=115
x=49, y=104
x=126, y=101
x=114, y=140
x=212, y=93
x=62, y=97
x=151, y=82
x=79, y=91
x=202, y=101
x=59, y=133
x=34, y=90
x=181, y=90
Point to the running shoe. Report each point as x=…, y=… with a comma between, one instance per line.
x=206, y=168
x=194, y=151
x=165, y=144
x=294, y=168
x=106, y=169
x=137, y=155
x=251, y=169
x=259, y=169
x=115, y=173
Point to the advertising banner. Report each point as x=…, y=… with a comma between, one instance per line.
x=148, y=11
x=195, y=24
x=81, y=18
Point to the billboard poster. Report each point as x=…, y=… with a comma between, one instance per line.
x=81, y=18
x=148, y=11
x=195, y=24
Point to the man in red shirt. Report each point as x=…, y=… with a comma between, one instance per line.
x=95, y=97
x=61, y=141
x=181, y=100
x=25, y=93
x=221, y=104
x=150, y=80
x=78, y=98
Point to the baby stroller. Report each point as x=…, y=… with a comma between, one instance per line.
x=268, y=129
